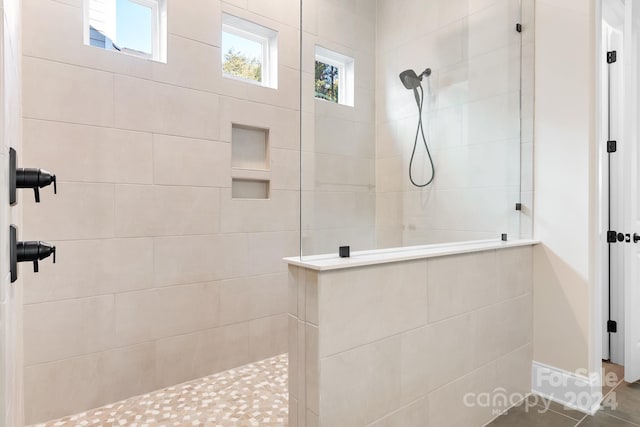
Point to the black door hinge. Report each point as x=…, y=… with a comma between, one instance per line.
x=519, y=27
x=612, y=146
x=612, y=326
x=612, y=57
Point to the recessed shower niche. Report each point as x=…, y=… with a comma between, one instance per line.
x=250, y=162
x=249, y=147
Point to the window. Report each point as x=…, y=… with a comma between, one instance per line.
x=134, y=27
x=249, y=52
x=334, y=77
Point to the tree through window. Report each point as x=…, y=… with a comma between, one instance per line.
x=249, y=51
x=327, y=82
x=334, y=77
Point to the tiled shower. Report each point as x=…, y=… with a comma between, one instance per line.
x=181, y=189
x=163, y=275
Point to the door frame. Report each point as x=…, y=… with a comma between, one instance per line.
x=612, y=209
x=11, y=299
x=600, y=248
x=600, y=265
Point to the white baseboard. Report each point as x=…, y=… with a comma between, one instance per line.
x=571, y=390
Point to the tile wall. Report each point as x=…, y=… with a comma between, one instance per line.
x=403, y=343
x=161, y=277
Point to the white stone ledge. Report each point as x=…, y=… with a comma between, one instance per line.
x=384, y=256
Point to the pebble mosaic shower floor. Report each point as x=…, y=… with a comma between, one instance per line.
x=251, y=395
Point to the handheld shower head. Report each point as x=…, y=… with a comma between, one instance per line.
x=411, y=80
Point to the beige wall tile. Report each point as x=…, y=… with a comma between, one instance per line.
x=312, y=371
x=301, y=341
x=289, y=42
x=362, y=305
x=268, y=336
x=127, y=371
x=70, y=328
x=361, y=385
x=194, y=355
x=200, y=21
x=412, y=415
x=447, y=404
x=435, y=355
x=53, y=390
x=292, y=280
x=143, y=210
x=136, y=317
x=183, y=309
x=92, y=267
x=312, y=419
x=293, y=412
x=336, y=172
x=192, y=259
x=503, y=328
x=145, y=105
x=278, y=213
x=285, y=11
x=292, y=368
x=68, y=93
x=514, y=370
x=163, y=312
x=476, y=351
x=266, y=251
x=78, y=211
x=338, y=136
x=190, y=63
x=283, y=123
x=285, y=167
x=250, y=298
x=515, y=271
x=302, y=294
x=311, y=297
x=99, y=154
x=461, y=283
x=188, y=161
x=237, y=3
x=286, y=95
x=356, y=212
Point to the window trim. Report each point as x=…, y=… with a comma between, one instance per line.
x=158, y=29
x=346, y=73
x=154, y=5
x=260, y=34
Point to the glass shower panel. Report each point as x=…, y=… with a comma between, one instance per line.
x=338, y=144
x=367, y=169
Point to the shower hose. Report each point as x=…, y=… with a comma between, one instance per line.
x=420, y=132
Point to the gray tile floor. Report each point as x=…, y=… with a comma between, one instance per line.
x=626, y=414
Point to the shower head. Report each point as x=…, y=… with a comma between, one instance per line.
x=411, y=80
